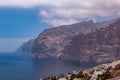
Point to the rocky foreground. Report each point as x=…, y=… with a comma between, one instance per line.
x=110, y=71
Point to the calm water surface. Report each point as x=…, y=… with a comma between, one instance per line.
x=20, y=67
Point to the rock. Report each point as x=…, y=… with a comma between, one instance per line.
x=52, y=42
x=99, y=46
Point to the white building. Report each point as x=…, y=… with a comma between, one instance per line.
x=64, y=78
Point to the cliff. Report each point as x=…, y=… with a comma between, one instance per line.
x=99, y=46
x=52, y=42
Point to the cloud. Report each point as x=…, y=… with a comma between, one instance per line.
x=59, y=12
x=19, y=3
x=70, y=11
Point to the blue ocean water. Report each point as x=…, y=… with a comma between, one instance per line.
x=20, y=67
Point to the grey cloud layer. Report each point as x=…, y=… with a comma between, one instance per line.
x=74, y=10
x=58, y=12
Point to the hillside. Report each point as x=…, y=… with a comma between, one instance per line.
x=52, y=42
x=100, y=45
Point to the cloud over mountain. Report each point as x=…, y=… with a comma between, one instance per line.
x=57, y=12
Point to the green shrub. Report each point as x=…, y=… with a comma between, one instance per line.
x=104, y=76
x=80, y=75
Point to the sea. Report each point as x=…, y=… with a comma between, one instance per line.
x=15, y=66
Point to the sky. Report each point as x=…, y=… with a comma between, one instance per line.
x=21, y=20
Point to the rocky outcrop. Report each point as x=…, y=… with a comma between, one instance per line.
x=52, y=42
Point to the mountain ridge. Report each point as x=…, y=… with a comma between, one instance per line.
x=101, y=45
x=51, y=42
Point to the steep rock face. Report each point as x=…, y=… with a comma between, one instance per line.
x=102, y=45
x=51, y=42
x=25, y=48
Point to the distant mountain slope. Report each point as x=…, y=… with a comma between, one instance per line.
x=52, y=42
x=25, y=48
